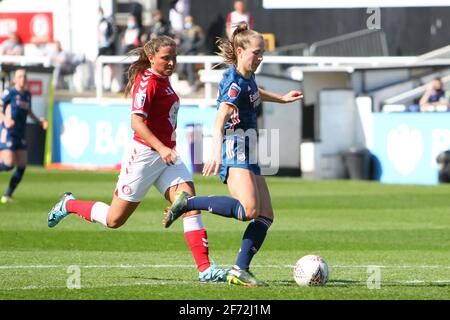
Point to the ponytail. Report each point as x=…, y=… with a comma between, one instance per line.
x=240, y=38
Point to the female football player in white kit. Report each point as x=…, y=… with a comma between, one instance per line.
x=151, y=158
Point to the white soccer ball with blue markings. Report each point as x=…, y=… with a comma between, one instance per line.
x=311, y=270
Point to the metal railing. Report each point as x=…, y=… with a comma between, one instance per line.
x=337, y=63
x=360, y=43
x=298, y=49
x=413, y=93
x=25, y=60
x=346, y=64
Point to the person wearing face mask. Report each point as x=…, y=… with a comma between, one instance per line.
x=106, y=38
x=131, y=35
x=192, y=40
x=130, y=40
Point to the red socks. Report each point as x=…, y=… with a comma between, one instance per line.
x=198, y=243
x=81, y=208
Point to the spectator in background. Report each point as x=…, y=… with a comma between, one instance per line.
x=159, y=27
x=239, y=14
x=131, y=36
x=179, y=9
x=136, y=11
x=39, y=47
x=12, y=46
x=106, y=44
x=191, y=42
x=434, y=97
x=130, y=39
x=62, y=63
x=106, y=35
x=216, y=29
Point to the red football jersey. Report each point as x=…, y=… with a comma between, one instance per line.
x=154, y=98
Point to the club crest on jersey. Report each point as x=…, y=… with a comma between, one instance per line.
x=234, y=90
x=139, y=100
x=126, y=189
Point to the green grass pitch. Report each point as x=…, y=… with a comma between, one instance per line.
x=364, y=230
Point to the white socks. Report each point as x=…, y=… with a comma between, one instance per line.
x=99, y=212
x=193, y=223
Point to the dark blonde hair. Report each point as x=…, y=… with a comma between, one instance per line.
x=149, y=48
x=241, y=37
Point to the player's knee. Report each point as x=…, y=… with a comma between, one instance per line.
x=267, y=216
x=250, y=212
x=114, y=223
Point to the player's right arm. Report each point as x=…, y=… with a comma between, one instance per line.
x=139, y=126
x=226, y=110
x=5, y=116
x=5, y=110
x=143, y=93
x=2, y=115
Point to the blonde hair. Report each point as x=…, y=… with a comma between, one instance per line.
x=149, y=48
x=241, y=37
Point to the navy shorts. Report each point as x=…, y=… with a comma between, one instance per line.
x=238, y=155
x=9, y=141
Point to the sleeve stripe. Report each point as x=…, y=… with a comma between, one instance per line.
x=139, y=112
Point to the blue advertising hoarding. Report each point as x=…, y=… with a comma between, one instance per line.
x=407, y=145
x=88, y=135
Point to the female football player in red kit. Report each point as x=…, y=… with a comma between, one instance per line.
x=151, y=158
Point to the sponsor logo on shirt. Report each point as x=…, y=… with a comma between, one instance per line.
x=254, y=97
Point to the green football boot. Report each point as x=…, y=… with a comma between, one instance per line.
x=178, y=207
x=245, y=278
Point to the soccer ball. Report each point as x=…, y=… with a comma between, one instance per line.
x=311, y=270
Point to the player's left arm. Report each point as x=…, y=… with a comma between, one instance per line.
x=40, y=120
x=4, y=102
x=291, y=96
x=2, y=114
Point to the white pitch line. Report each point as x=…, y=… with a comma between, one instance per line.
x=185, y=282
x=126, y=284
x=394, y=266
x=156, y=266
